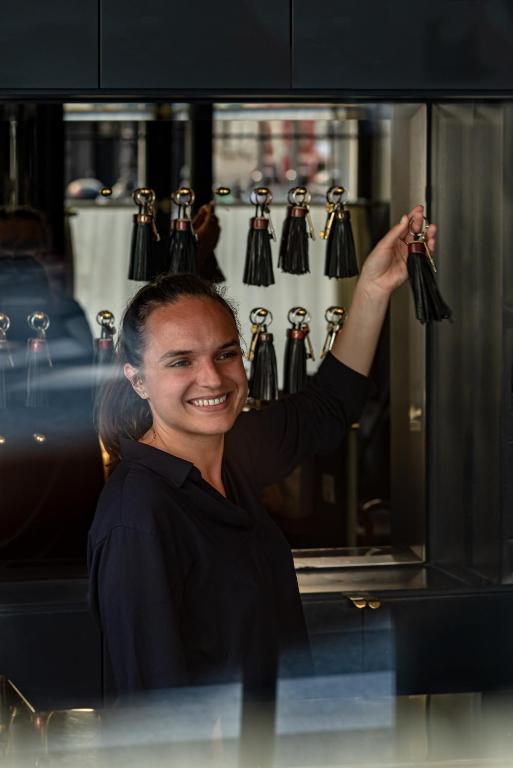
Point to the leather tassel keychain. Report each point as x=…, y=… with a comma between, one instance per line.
x=38, y=361
x=104, y=345
x=297, y=230
x=6, y=361
x=263, y=380
x=340, y=249
x=334, y=317
x=258, y=269
x=183, y=245
x=144, y=233
x=429, y=304
x=297, y=350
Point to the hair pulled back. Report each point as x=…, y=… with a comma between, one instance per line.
x=120, y=412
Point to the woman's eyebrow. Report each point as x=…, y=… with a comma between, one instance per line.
x=232, y=343
x=180, y=352
x=175, y=353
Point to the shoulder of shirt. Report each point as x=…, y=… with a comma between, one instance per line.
x=134, y=497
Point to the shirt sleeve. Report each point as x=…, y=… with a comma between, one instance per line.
x=271, y=442
x=136, y=590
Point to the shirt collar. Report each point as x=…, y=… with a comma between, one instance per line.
x=171, y=467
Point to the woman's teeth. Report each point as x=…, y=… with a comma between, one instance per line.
x=211, y=401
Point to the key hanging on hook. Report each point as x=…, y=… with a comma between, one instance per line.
x=297, y=230
x=104, y=344
x=429, y=304
x=298, y=350
x=144, y=234
x=38, y=361
x=338, y=233
x=263, y=380
x=258, y=267
x=183, y=246
x=6, y=361
x=335, y=317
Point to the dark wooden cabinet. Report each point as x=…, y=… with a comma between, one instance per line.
x=443, y=46
x=440, y=45
x=429, y=643
x=49, y=45
x=171, y=45
x=50, y=647
x=453, y=643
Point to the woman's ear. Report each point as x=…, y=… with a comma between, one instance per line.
x=136, y=380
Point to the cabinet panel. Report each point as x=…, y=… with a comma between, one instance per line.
x=432, y=644
x=49, y=45
x=436, y=44
x=453, y=643
x=50, y=647
x=335, y=630
x=162, y=44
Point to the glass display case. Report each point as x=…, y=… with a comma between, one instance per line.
x=347, y=507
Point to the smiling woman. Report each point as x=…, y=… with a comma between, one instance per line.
x=193, y=379
x=191, y=580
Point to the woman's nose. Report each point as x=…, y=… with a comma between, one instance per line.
x=208, y=375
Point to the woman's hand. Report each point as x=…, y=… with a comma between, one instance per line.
x=385, y=269
x=206, y=226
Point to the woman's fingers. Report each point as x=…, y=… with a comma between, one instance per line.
x=400, y=230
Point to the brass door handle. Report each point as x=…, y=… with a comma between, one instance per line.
x=359, y=602
x=364, y=602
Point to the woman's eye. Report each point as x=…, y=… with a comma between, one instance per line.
x=231, y=353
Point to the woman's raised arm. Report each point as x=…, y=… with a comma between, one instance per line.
x=384, y=270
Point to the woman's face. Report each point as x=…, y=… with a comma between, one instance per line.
x=192, y=372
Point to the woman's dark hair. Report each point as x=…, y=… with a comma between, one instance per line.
x=120, y=412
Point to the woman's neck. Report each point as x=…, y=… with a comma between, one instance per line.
x=204, y=451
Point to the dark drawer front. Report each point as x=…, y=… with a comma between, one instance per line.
x=433, y=44
x=161, y=44
x=49, y=45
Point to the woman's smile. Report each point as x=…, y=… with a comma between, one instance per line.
x=215, y=403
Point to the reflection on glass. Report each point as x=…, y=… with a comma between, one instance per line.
x=50, y=454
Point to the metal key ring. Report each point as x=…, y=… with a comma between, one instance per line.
x=39, y=322
x=261, y=196
x=183, y=196
x=261, y=316
x=334, y=194
x=298, y=196
x=105, y=318
x=5, y=323
x=298, y=316
x=421, y=231
x=143, y=196
x=335, y=315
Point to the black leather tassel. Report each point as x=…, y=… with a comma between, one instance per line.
x=183, y=246
x=144, y=233
x=263, y=381
x=429, y=304
x=6, y=361
x=298, y=350
x=258, y=268
x=38, y=362
x=334, y=317
x=296, y=231
x=340, y=249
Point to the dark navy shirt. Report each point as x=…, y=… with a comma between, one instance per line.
x=190, y=587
